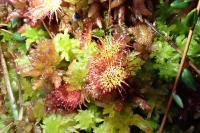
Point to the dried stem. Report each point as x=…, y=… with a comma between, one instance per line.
x=45, y=26
x=179, y=73
x=2, y=25
x=21, y=107
x=3, y=30
x=13, y=105
x=172, y=44
x=109, y=13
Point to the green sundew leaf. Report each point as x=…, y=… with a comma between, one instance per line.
x=188, y=79
x=180, y=4
x=178, y=100
x=191, y=18
x=34, y=34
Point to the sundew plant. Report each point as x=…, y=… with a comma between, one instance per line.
x=99, y=66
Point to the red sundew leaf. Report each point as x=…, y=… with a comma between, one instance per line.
x=62, y=98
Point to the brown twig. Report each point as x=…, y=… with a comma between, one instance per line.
x=13, y=104
x=179, y=73
x=45, y=26
x=109, y=13
x=172, y=44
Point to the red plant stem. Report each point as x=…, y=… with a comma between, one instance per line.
x=179, y=73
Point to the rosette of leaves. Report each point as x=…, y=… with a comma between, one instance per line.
x=64, y=98
x=109, y=69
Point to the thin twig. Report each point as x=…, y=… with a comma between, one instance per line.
x=187, y=45
x=109, y=13
x=172, y=44
x=4, y=30
x=20, y=99
x=13, y=105
x=21, y=107
x=2, y=25
x=45, y=26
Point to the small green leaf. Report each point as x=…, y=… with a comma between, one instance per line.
x=98, y=32
x=66, y=46
x=188, y=79
x=177, y=99
x=87, y=119
x=191, y=18
x=39, y=110
x=179, y=4
x=14, y=23
x=33, y=35
x=59, y=124
x=18, y=37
